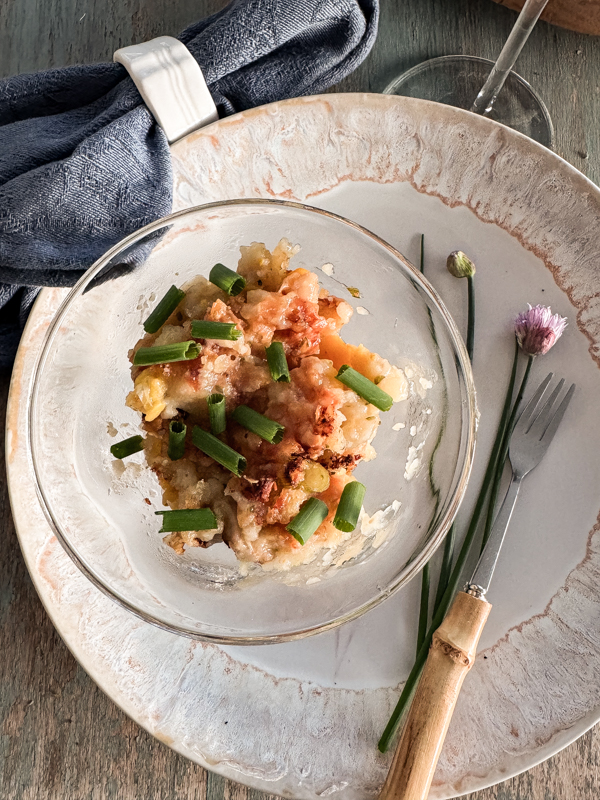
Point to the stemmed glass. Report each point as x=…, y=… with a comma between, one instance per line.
x=475, y=83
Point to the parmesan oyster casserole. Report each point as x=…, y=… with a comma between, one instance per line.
x=256, y=412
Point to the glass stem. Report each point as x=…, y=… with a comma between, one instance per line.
x=510, y=52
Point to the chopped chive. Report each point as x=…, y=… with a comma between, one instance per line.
x=364, y=388
x=164, y=309
x=218, y=450
x=278, y=363
x=423, y=607
x=262, y=426
x=227, y=279
x=207, y=329
x=127, y=447
x=346, y=515
x=187, y=519
x=177, y=431
x=216, y=413
x=307, y=520
x=166, y=353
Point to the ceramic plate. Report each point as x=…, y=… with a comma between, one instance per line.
x=303, y=719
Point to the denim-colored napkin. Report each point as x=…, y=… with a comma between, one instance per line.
x=83, y=163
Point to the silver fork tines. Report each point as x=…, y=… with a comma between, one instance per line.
x=536, y=426
x=533, y=403
x=530, y=439
x=556, y=419
x=539, y=425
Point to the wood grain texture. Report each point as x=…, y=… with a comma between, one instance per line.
x=577, y=15
x=61, y=738
x=451, y=656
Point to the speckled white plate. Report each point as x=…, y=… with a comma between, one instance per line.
x=303, y=719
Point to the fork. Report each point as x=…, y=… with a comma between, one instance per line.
x=454, y=644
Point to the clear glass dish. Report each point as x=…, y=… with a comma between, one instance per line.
x=99, y=507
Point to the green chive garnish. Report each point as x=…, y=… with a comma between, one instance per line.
x=364, y=388
x=266, y=428
x=227, y=279
x=166, y=353
x=164, y=309
x=187, y=519
x=278, y=363
x=127, y=447
x=218, y=450
x=206, y=329
x=216, y=413
x=346, y=515
x=176, y=441
x=307, y=520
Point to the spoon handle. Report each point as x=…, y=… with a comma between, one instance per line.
x=514, y=44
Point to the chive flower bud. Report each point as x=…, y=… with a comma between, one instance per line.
x=460, y=265
x=537, y=329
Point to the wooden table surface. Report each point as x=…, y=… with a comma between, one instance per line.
x=61, y=738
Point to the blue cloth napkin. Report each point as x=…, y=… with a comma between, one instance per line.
x=83, y=163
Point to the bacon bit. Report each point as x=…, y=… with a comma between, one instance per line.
x=261, y=490
x=334, y=462
x=294, y=469
x=147, y=501
x=325, y=424
x=302, y=334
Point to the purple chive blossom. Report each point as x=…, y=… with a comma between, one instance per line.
x=537, y=329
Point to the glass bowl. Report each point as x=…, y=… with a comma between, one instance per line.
x=102, y=510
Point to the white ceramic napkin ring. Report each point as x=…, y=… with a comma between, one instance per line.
x=172, y=84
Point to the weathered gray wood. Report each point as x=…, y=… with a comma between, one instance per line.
x=61, y=738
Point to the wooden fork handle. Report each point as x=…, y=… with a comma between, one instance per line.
x=451, y=656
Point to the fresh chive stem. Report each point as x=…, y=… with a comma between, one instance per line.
x=425, y=574
x=187, y=519
x=166, y=353
x=177, y=431
x=207, y=329
x=471, y=318
x=216, y=413
x=127, y=447
x=163, y=310
x=364, y=388
x=226, y=279
x=308, y=519
x=348, y=510
x=455, y=576
x=277, y=362
x=262, y=426
x=218, y=450
x=448, y=554
x=446, y=567
x=423, y=607
x=503, y=455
